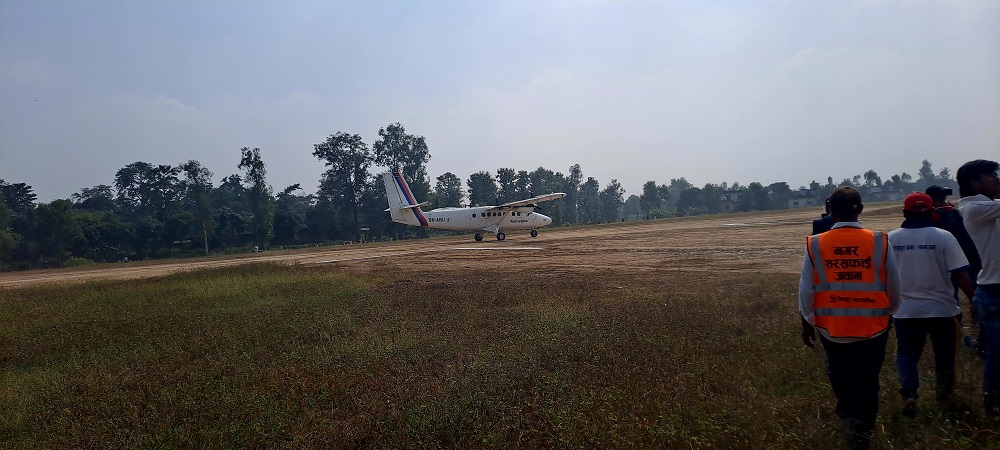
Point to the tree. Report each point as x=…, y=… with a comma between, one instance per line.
x=650, y=198
x=522, y=183
x=406, y=153
x=290, y=214
x=632, y=207
x=678, y=185
x=507, y=180
x=572, y=190
x=872, y=179
x=230, y=194
x=97, y=198
x=19, y=196
x=8, y=241
x=710, y=198
x=944, y=175
x=781, y=192
x=258, y=195
x=57, y=229
x=197, y=187
x=348, y=159
x=689, y=202
x=482, y=189
x=544, y=181
x=612, y=198
x=926, y=173
x=759, y=195
x=228, y=226
x=590, y=201
x=448, y=191
x=145, y=190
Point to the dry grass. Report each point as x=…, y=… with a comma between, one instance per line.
x=275, y=356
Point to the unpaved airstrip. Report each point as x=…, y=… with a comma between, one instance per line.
x=769, y=242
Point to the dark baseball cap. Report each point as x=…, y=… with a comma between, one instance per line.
x=845, y=198
x=936, y=191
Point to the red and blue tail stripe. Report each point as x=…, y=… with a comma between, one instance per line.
x=405, y=189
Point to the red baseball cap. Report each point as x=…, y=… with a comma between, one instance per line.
x=918, y=202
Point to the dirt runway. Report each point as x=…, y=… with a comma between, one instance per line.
x=770, y=242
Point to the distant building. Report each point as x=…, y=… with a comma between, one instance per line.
x=803, y=198
x=880, y=194
x=797, y=203
x=729, y=200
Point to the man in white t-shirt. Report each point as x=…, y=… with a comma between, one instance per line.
x=929, y=259
x=979, y=185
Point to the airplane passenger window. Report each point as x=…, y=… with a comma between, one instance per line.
x=473, y=216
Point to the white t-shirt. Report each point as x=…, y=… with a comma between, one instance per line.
x=925, y=256
x=982, y=220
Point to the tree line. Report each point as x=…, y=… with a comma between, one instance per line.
x=161, y=210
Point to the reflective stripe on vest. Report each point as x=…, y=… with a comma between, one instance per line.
x=855, y=304
x=859, y=312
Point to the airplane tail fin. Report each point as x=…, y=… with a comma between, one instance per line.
x=403, y=207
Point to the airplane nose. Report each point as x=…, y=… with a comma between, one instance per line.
x=545, y=219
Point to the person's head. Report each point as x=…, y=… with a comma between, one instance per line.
x=939, y=194
x=918, y=206
x=845, y=204
x=978, y=177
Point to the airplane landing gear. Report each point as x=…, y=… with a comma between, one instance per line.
x=501, y=236
x=479, y=237
x=534, y=232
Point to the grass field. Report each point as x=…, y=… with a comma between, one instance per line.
x=382, y=354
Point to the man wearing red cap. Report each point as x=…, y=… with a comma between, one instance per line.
x=929, y=260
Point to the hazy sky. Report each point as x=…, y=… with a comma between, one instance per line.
x=711, y=91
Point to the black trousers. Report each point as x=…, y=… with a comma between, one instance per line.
x=853, y=369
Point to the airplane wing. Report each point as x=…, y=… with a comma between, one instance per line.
x=533, y=200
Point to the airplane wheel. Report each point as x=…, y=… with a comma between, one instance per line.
x=534, y=233
x=479, y=237
x=501, y=236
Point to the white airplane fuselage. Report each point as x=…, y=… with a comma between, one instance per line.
x=481, y=218
x=519, y=215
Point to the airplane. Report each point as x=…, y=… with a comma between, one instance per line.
x=519, y=215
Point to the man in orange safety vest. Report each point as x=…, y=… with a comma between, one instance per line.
x=849, y=290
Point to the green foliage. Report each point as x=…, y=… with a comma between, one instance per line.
x=147, y=191
x=612, y=198
x=398, y=150
x=198, y=186
x=590, y=201
x=97, y=198
x=161, y=210
x=259, y=195
x=507, y=190
x=78, y=262
x=448, y=191
x=347, y=159
x=482, y=189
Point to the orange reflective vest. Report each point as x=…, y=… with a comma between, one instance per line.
x=849, y=281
